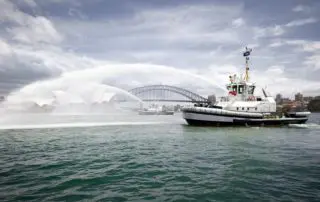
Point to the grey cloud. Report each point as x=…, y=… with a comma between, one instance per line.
x=184, y=34
x=17, y=76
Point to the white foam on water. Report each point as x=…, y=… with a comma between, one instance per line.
x=305, y=126
x=74, y=125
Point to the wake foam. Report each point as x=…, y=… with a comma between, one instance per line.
x=73, y=125
x=305, y=126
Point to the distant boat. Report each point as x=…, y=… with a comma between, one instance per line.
x=242, y=107
x=155, y=111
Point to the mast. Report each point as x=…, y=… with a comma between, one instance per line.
x=246, y=54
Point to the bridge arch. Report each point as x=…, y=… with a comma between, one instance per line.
x=191, y=96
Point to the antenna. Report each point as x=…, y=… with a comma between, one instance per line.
x=246, y=54
x=264, y=93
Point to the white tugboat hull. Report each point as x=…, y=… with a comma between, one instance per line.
x=201, y=116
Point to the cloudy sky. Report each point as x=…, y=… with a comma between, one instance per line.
x=130, y=43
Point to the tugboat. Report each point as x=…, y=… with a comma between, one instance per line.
x=154, y=110
x=242, y=107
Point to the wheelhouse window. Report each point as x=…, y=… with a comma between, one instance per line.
x=240, y=89
x=234, y=88
x=251, y=90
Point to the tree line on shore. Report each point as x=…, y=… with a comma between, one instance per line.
x=314, y=105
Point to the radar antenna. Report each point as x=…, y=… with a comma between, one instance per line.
x=246, y=54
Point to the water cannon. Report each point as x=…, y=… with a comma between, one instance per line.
x=265, y=92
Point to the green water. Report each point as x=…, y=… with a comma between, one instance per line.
x=160, y=161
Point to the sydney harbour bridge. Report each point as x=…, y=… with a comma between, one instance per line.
x=163, y=93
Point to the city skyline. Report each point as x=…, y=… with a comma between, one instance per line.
x=46, y=39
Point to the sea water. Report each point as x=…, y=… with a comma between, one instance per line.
x=155, y=158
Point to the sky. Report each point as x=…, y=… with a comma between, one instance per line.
x=128, y=44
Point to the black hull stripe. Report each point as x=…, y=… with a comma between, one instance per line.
x=193, y=122
x=225, y=115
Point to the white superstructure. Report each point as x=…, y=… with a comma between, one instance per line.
x=241, y=96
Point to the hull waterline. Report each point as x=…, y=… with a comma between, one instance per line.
x=274, y=122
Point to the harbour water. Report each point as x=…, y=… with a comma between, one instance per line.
x=68, y=158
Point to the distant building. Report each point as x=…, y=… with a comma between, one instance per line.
x=286, y=101
x=212, y=99
x=298, y=97
x=307, y=99
x=279, y=98
x=298, y=103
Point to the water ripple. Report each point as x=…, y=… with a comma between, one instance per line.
x=159, y=163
